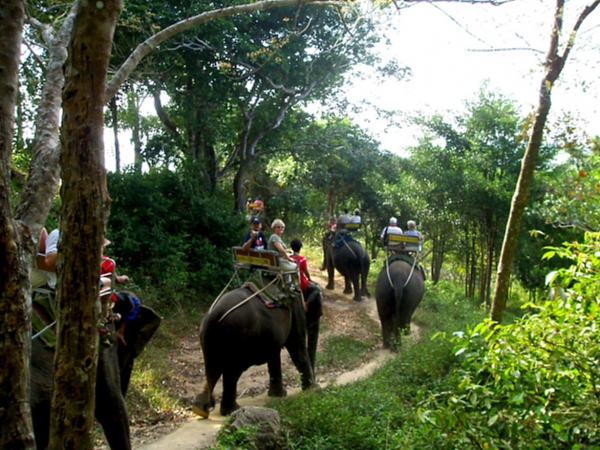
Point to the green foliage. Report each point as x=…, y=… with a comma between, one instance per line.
x=460, y=181
x=170, y=235
x=532, y=384
x=573, y=190
x=243, y=437
x=335, y=165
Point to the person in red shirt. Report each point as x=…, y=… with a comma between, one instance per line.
x=313, y=298
x=302, y=262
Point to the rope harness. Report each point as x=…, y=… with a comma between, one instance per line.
x=387, y=267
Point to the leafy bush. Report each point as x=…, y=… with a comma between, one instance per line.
x=171, y=234
x=243, y=437
x=534, y=383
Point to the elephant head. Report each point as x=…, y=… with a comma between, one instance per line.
x=115, y=363
x=351, y=260
x=241, y=331
x=398, y=292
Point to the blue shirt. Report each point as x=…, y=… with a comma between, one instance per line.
x=259, y=242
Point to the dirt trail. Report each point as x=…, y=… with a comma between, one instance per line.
x=341, y=316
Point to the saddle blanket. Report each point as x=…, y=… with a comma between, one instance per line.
x=409, y=259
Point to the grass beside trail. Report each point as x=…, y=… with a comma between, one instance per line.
x=381, y=412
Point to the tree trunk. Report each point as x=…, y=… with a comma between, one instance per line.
x=115, y=125
x=437, y=256
x=554, y=65
x=238, y=185
x=135, y=132
x=15, y=327
x=82, y=223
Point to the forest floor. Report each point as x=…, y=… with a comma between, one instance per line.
x=185, y=431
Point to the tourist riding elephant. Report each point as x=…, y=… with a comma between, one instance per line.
x=351, y=260
x=240, y=331
x=115, y=363
x=397, y=299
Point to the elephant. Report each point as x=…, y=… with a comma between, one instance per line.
x=348, y=256
x=397, y=300
x=115, y=363
x=240, y=331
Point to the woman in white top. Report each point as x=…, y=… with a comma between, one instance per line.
x=276, y=243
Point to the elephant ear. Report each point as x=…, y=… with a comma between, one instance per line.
x=137, y=335
x=140, y=331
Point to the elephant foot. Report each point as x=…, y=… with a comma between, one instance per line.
x=278, y=391
x=357, y=299
x=227, y=410
x=347, y=291
x=201, y=407
x=200, y=412
x=330, y=287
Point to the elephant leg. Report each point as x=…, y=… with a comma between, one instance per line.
x=228, y=402
x=357, y=288
x=365, y=289
x=330, y=278
x=126, y=376
x=205, y=400
x=313, y=338
x=300, y=358
x=386, y=332
x=111, y=410
x=347, y=285
x=395, y=338
x=314, y=311
x=276, y=388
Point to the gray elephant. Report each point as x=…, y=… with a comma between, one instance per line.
x=240, y=331
x=114, y=370
x=397, y=300
x=351, y=260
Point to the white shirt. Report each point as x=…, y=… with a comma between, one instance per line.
x=391, y=230
x=52, y=247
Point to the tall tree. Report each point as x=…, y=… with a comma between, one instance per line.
x=15, y=328
x=554, y=64
x=83, y=222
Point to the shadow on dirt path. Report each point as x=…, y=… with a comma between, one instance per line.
x=342, y=315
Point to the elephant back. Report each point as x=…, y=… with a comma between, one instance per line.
x=397, y=274
x=245, y=328
x=241, y=310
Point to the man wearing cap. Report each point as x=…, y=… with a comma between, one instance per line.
x=392, y=228
x=255, y=238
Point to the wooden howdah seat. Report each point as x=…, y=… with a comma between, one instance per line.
x=265, y=260
x=353, y=226
x=402, y=242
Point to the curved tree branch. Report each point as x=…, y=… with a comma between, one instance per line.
x=151, y=43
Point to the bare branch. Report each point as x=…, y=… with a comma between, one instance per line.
x=586, y=12
x=473, y=2
x=506, y=49
x=146, y=47
x=163, y=116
